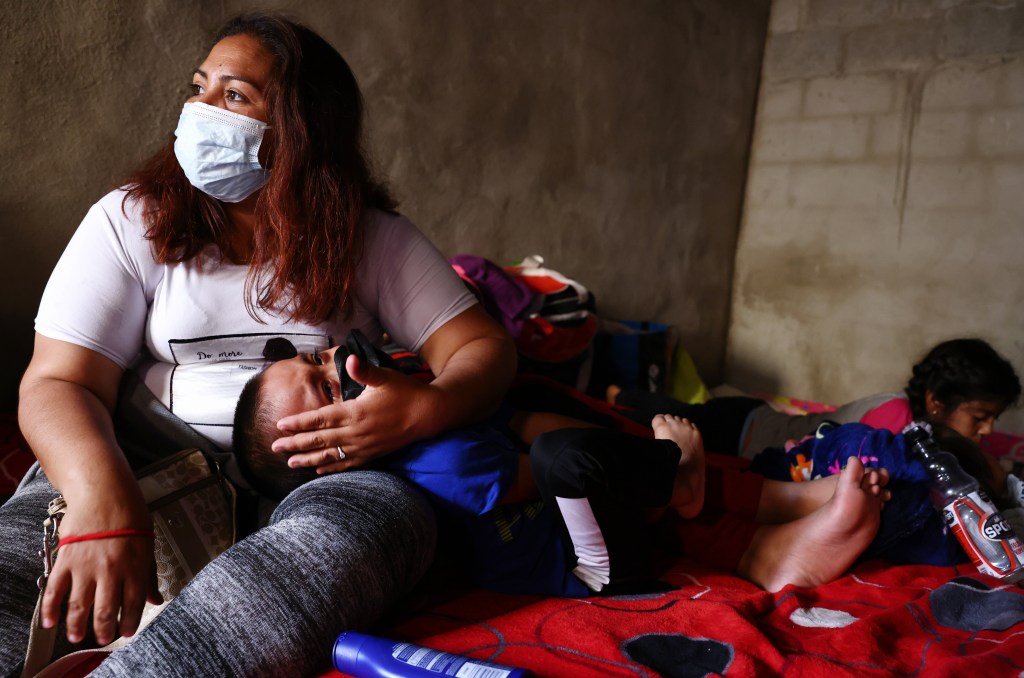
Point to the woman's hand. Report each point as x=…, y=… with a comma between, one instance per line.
x=473, y=360
x=387, y=415
x=110, y=578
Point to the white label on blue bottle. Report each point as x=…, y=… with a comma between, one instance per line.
x=473, y=670
x=447, y=664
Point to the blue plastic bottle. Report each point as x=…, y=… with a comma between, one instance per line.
x=363, y=656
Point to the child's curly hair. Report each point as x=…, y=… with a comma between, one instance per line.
x=961, y=370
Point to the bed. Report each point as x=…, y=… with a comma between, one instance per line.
x=877, y=620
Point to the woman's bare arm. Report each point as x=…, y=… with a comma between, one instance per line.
x=65, y=404
x=474, y=361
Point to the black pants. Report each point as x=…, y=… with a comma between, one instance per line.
x=601, y=485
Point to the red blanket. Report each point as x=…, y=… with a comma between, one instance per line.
x=879, y=620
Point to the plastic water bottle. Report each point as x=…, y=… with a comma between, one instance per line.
x=363, y=656
x=993, y=546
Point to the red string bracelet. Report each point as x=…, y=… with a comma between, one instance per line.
x=106, y=535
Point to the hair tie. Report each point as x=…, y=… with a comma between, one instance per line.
x=92, y=536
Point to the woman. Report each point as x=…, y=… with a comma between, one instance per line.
x=260, y=220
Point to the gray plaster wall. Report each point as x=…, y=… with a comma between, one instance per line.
x=883, y=208
x=610, y=137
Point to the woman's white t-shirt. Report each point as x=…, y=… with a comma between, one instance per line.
x=186, y=324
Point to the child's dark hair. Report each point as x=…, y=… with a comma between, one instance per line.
x=267, y=471
x=961, y=370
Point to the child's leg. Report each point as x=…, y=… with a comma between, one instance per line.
x=782, y=502
x=529, y=425
x=821, y=545
x=600, y=483
x=719, y=420
x=688, y=489
x=733, y=488
x=688, y=493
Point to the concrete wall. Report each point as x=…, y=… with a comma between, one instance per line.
x=610, y=137
x=884, y=201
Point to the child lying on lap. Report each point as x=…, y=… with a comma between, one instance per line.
x=549, y=504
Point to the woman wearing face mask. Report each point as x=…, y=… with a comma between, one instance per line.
x=260, y=218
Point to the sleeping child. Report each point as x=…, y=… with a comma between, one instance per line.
x=540, y=502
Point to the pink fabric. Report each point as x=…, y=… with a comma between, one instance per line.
x=892, y=415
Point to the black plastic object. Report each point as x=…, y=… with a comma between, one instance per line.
x=358, y=345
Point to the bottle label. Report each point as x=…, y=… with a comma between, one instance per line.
x=996, y=528
x=994, y=548
x=447, y=664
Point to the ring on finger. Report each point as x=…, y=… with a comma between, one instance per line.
x=341, y=453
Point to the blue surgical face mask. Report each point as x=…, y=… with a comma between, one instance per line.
x=218, y=151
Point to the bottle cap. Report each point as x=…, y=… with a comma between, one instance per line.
x=346, y=651
x=917, y=430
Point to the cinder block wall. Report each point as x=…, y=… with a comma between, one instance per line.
x=884, y=203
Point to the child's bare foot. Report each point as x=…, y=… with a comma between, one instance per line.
x=822, y=545
x=688, y=492
x=874, y=482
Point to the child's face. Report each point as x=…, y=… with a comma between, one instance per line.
x=306, y=382
x=973, y=419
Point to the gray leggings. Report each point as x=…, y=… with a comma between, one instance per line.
x=337, y=553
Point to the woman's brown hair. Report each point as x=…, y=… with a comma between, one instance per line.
x=308, y=237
